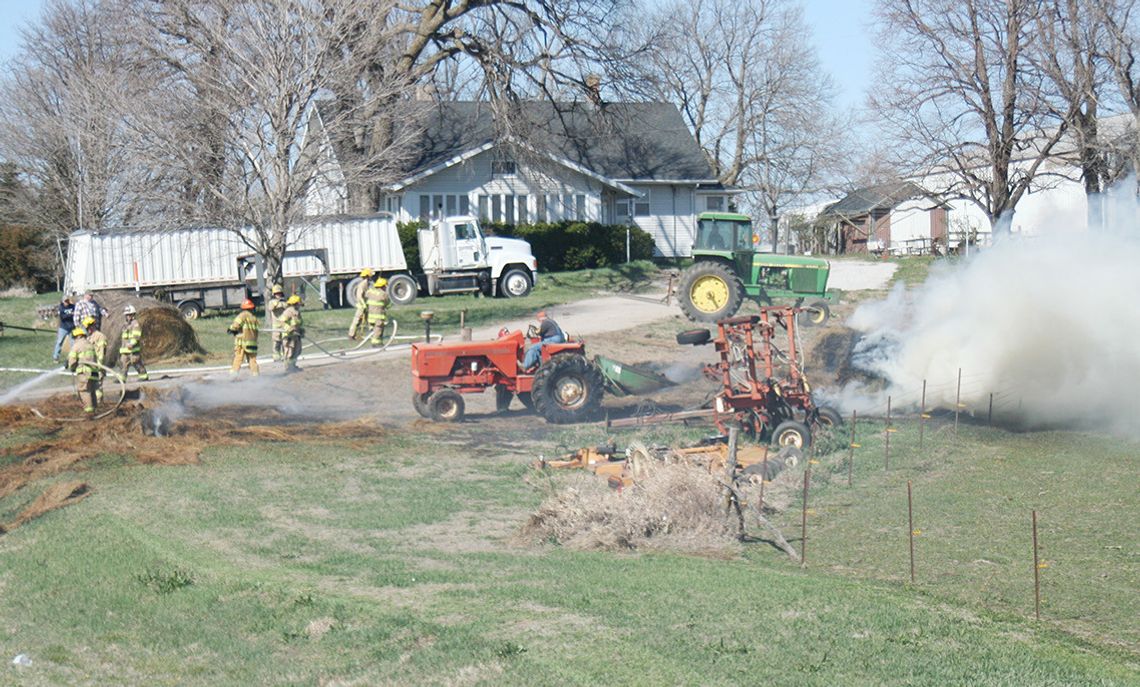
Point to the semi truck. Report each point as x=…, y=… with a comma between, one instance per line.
x=200, y=268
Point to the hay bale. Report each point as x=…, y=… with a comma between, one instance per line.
x=165, y=333
x=673, y=507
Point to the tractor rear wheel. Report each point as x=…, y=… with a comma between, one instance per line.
x=709, y=292
x=419, y=401
x=828, y=418
x=445, y=405
x=568, y=388
x=792, y=433
x=503, y=397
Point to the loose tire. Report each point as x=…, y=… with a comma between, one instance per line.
x=694, y=337
x=445, y=405
x=515, y=284
x=792, y=433
x=191, y=310
x=419, y=402
x=815, y=315
x=568, y=388
x=710, y=291
x=828, y=417
x=503, y=397
x=402, y=289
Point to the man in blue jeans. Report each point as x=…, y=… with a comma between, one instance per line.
x=66, y=324
x=548, y=332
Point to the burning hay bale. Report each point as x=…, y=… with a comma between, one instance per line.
x=165, y=333
x=672, y=507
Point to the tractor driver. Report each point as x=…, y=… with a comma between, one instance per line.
x=548, y=332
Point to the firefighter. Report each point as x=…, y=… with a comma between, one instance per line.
x=361, y=314
x=276, y=308
x=88, y=375
x=99, y=342
x=130, y=349
x=292, y=330
x=376, y=300
x=244, y=330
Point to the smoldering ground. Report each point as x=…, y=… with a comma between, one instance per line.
x=1048, y=325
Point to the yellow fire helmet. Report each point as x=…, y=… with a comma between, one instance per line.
x=277, y=288
x=381, y=283
x=79, y=331
x=366, y=272
x=88, y=321
x=293, y=300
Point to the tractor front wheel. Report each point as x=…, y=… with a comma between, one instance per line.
x=445, y=405
x=419, y=402
x=503, y=397
x=814, y=315
x=709, y=292
x=792, y=433
x=568, y=388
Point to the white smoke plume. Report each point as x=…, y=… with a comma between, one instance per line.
x=1049, y=325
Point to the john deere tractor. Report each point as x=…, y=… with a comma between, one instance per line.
x=727, y=268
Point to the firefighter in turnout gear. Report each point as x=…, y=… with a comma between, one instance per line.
x=276, y=308
x=98, y=341
x=130, y=349
x=376, y=301
x=361, y=314
x=244, y=330
x=292, y=330
x=88, y=375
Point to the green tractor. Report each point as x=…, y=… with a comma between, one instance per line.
x=727, y=268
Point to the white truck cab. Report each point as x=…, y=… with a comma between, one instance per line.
x=456, y=257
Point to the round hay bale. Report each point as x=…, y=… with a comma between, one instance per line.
x=165, y=333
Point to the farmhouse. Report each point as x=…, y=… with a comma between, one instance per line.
x=615, y=163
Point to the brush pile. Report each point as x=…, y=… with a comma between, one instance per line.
x=672, y=507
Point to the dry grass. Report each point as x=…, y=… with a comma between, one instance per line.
x=55, y=496
x=673, y=507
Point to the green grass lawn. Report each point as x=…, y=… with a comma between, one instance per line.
x=392, y=563
x=33, y=350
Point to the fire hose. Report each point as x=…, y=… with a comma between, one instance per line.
x=75, y=383
x=5, y=325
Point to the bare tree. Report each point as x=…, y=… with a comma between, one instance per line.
x=961, y=101
x=64, y=126
x=1121, y=49
x=751, y=88
x=244, y=97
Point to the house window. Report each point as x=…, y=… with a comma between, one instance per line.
x=621, y=210
x=509, y=209
x=714, y=203
x=522, y=210
x=464, y=205
x=540, y=210
x=452, y=204
x=496, y=208
x=641, y=208
x=502, y=168
x=483, y=208
x=580, y=207
x=425, y=208
x=437, y=206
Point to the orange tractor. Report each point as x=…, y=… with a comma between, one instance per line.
x=566, y=386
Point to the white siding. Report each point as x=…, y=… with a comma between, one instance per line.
x=910, y=221
x=671, y=221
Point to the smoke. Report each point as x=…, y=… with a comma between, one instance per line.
x=1049, y=325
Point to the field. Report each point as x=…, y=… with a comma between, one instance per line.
x=389, y=552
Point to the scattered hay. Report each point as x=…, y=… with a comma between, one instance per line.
x=55, y=496
x=673, y=507
x=319, y=628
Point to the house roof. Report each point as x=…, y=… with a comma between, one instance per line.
x=618, y=141
x=879, y=197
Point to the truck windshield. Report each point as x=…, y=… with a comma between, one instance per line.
x=464, y=232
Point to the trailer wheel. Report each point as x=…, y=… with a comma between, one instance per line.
x=568, y=388
x=445, y=405
x=792, y=433
x=402, y=289
x=191, y=310
x=709, y=292
x=828, y=417
x=503, y=397
x=514, y=284
x=419, y=402
x=814, y=315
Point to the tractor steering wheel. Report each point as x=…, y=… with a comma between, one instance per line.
x=531, y=332
x=503, y=332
